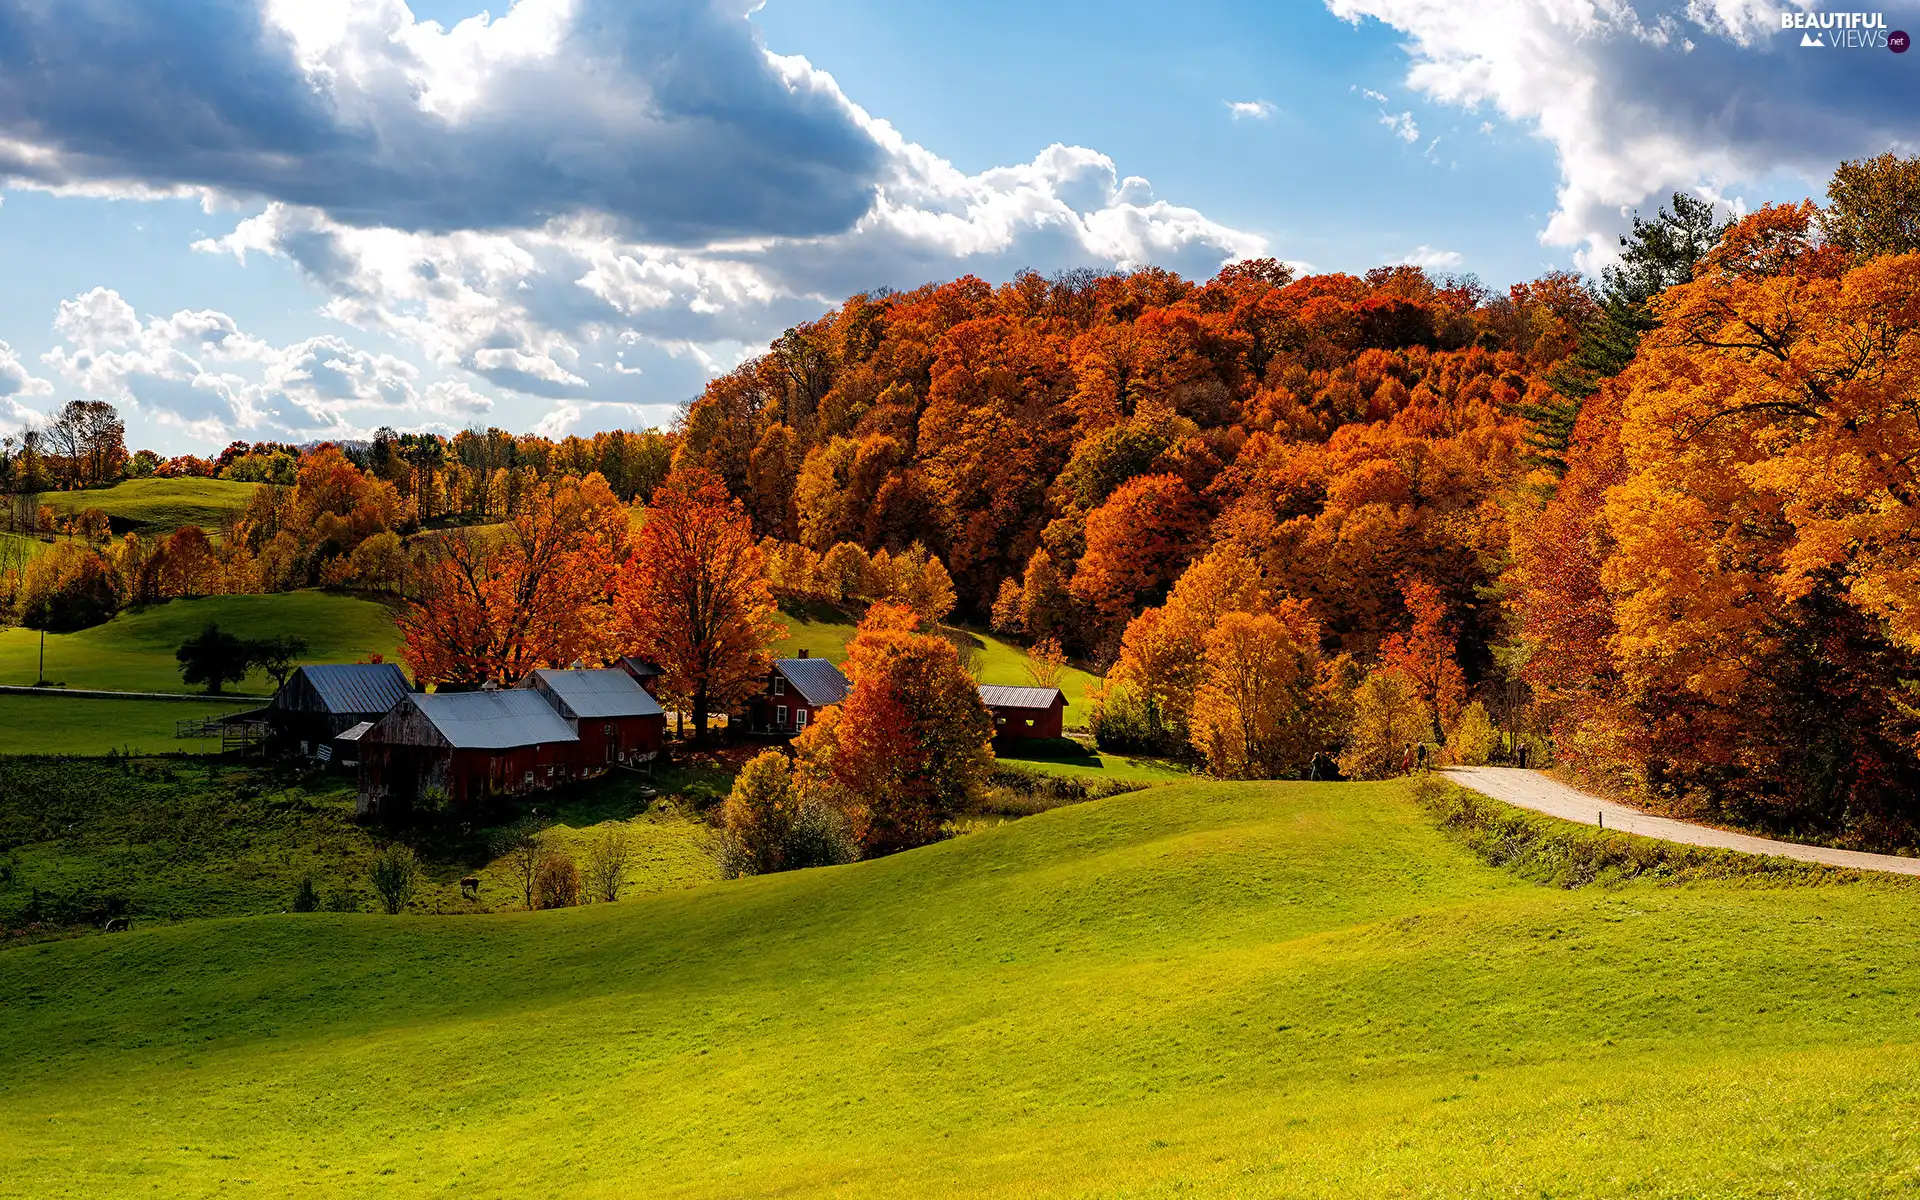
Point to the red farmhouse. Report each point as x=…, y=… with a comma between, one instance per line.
x=1025, y=712
x=617, y=722
x=797, y=689
x=467, y=745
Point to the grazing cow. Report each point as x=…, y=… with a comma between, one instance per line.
x=119, y=925
x=470, y=888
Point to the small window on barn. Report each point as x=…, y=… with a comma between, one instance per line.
x=779, y=688
x=607, y=729
x=529, y=778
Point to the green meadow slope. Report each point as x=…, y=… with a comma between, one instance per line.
x=134, y=652
x=160, y=506
x=1199, y=989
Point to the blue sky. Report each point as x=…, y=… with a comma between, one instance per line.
x=298, y=219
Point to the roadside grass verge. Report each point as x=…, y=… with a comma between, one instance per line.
x=1563, y=854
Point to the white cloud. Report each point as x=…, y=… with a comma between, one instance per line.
x=664, y=115
x=1403, y=126
x=1376, y=97
x=16, y=380
x=519, y=308
x=200, y=373
x=514, y=200
x=1430, y=259
x=1257, y=110
x=1604, y=82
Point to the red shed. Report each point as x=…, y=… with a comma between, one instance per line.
x=797, y=689
x=645, y=673
x=1025, y=712
x=617, y=722
x=468, y=745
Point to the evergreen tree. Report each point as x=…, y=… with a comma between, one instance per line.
x=1657, y=255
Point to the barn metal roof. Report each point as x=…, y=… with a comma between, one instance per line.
x=494, y=720
x=996, y=696
x=818, y=681
x=346, y=688
x=595, y=695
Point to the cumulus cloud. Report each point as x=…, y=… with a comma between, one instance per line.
x=15, y=381
x=1431, y=259
x=665, y=115
x=596, y=203
x=1643, y=97
x=201, y=373
x=517, y=307
x=1257, y=110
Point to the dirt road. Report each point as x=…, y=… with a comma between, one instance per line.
x=1531, y=789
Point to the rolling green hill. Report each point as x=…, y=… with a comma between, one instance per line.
x=134, y=652
x=1202, y=989
x=159, y=506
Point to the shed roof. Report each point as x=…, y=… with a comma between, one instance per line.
x=818, y=681
x=355, y=734
x=346, y=688
x=640, y=668
x=494, y=720
x=996, y=696
x=594, y=695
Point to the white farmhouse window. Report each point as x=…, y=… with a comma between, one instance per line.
x=779, y=687
x=799, y=718
x=780, y=715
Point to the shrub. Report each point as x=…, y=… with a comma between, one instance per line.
x=1018, y=792
x=771, y=827
x=306, y=897
x=556, y=882
x=395, y=876
x=1474, y=740
x=1126, y=720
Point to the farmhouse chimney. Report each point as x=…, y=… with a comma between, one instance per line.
x=803, y=654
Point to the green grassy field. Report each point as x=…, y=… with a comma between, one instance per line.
x=71, y=725
x=177, y=839
x=159, y=506
x=134, y=652
x=1066, y=757
x=824, y=630
x=1195, y=990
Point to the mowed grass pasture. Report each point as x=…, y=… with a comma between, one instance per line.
x=1202, y=989
x=134, y=652
x=159, y=506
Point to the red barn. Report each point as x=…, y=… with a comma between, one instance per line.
x=646, y=674
x=1025, y=712
x=467, y=746
x=797, y=689
x=617, y=722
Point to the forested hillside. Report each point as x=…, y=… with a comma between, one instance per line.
x=1658, y=525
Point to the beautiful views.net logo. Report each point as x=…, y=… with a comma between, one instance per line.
x=1845, y=31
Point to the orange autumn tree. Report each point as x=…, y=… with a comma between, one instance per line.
x=495, y=603
x=1427, y=655
x=1762, y=560
x=1254, y=714
x=694, y=597
x=1163, y=652
x=909, y=746
x=1138, y=542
